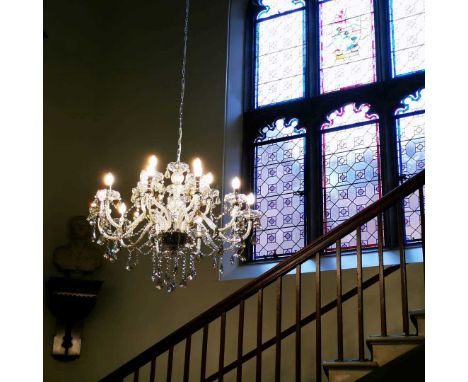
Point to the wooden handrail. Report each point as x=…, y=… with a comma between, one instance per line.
x=287, y=265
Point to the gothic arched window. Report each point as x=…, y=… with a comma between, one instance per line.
x=280, y=52
x=350, y=168
x=279, y=186
x=312, y=70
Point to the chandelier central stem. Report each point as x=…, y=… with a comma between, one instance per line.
x=182, y=80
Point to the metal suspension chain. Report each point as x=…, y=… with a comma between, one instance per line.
x=182, y=81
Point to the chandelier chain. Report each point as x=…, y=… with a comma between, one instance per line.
x=182, y=80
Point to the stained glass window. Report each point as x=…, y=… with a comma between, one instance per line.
x=407, y=36
x=280, y=52
x=279, y=187
x=351, y=169
x=347, y=44
x=409, y=121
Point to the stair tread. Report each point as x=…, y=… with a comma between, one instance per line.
x=395, y=339
x=349, y=364
x=417, y=313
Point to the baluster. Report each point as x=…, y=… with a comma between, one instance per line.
x=169, y=364
x=153, y=370
x=221, y=347
x=404, y=287
x=298, y=323
x=360, y=295
x=423, y=226
x=188, y=343
x=204, y=350
x=339, y=303
x=240, y=341
x=318, y=321
x=279, y=292
x=136, y=375
x=383, y=314
x=259, y=335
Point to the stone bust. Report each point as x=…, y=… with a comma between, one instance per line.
x=80, y=254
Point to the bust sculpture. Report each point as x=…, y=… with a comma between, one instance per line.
x=80, y=254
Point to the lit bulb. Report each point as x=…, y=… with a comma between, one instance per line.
x=235, y=183
x=209, y=178
x=109, y=179
x=144, y=176
x=250, y=199
x=151, y=168
x=153, y=161
x=122, y=208
x=197, y=167
x=93, y=205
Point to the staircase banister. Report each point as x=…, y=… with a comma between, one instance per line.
x=281, y=269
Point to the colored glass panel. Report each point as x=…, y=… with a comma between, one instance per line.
x=409, y=121
x=347, y=44
x=351, y=169
x=279, y=187
x=276, y=7
x=407, y=36
x=280, y=53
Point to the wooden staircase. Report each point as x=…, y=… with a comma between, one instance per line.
x=384, y=349
x=159, y=362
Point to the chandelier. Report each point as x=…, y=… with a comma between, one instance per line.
x=176, y=217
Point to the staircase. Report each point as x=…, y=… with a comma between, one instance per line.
x=384, y=349
x=203, y=350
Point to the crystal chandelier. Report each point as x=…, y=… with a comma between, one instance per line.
x=176, y=217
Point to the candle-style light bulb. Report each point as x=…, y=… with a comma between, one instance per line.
x=109, y=179
x=235, y=183
x=152, y=163
x=144, y=176
x=209, y=178
x=250, y=199
x=197, y=167
x=122, y=208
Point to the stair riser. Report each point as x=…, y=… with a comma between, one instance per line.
x=344, y=375
x=384, y=353
x=421, y=326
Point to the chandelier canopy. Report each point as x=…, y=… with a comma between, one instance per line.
x=176, y=217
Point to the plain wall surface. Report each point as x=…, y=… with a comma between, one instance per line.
x=111, y=93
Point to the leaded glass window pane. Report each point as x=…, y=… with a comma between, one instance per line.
x=280, y=52
x=351, y=169
x=407, y=36
x=347, y=44
x=279, y=187
x=409, y=121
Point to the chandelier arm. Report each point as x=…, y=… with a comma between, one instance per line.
x=103, y=232
x=163, y=210
x=208, y=207
x=142, y=235
x=210, y=223
x=182, y=81
x=109, y=217
x=136, y=222
x=228, y=226
x=248, y=230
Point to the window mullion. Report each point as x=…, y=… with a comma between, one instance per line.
x=382, y=32
x=312, y=54
x=389, y=167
